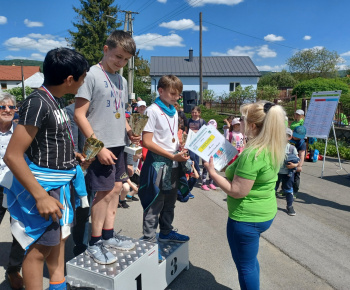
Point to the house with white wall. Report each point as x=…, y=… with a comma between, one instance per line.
x=11, y=76
x=222, y=74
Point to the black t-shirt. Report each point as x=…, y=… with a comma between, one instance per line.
x=51, y=147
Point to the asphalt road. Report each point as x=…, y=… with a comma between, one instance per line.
x=308, y=251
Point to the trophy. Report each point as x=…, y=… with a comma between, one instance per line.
x=137, y=124
x=92, y=147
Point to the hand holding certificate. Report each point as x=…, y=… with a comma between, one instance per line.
x=209, y=142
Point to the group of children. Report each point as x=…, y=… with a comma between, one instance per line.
x=46, y=165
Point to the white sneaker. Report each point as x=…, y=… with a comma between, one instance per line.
x=100, y=254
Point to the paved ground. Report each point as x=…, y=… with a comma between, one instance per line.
x=308, y=251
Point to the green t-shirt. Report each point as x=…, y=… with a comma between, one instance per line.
x=296, y=124
x=260, y=204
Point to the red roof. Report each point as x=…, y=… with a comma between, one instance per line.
x=13, y=73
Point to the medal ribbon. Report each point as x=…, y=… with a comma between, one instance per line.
x=172, y=131
x=117, y=104
x=62, y=115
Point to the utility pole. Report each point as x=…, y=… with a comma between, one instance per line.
x=131, y=63
x=23, y=91
x=200, y=60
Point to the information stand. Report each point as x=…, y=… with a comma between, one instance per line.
x=319, y=118
x=137, y=269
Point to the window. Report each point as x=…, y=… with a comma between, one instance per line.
x=233, y=86
x=205, y=85
x=3, y=86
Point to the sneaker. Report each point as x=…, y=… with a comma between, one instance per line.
x=291, y=211
x=129, y=196
x=119, y=243
x=212, y=186
x=134, y=198
x=205, y=187
x=190, y=195
x=100, y=254
x=173, y=236
x=123, y=204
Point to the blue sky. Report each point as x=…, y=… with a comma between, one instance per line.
x=269, y=31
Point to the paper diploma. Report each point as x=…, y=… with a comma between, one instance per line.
x=209, y=142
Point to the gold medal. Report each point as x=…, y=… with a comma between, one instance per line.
x=173, y=140
x=117, y=115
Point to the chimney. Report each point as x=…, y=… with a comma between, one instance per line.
x=190, y=57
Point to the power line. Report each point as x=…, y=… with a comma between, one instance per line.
x=251, y=36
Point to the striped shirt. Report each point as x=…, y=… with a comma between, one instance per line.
x=51, y=147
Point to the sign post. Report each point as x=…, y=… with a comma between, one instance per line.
x=319, y=118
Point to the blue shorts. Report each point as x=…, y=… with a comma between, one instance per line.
x=101, y=177
x=52, y=236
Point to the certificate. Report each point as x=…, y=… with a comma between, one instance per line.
x=209, y=142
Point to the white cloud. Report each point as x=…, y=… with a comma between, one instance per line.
x=315, y=47
x=237, y=51
x=307, y=37
x=3, y=20
x=29, y=23
x=41, y=43
x=345, y=54
x=198, y=3
x=162, y=1
x=342, y=67
x=271, y=68
x=264, y=51
x=33, y=56
x=150, y=40
x=272, y=38
x=182, y=24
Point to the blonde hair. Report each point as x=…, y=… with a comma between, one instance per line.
x=270, y=131
x=170, y=82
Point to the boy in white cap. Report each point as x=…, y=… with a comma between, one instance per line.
x=298, y=119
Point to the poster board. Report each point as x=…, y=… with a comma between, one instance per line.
x=320, y=113
x=207, y=142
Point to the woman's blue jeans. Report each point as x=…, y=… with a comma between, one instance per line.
x=243, y=238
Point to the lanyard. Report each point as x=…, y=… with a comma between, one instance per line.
x=117, y=104
x=62, y=115
x=172, y=131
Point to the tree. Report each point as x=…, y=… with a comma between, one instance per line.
x=241, y=96
x=96, y=20
x=314, y=62
x=306, y=88
x=279, y=80
x=268, y=93
x=208, y=95
x=17, y=92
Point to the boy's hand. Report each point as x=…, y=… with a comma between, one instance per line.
x=133, y=138
x=49, y=206
x=181, y=157
x=106, y=157
x=84, y=163
x=291, y=165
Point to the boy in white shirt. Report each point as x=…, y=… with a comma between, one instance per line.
x=161, y=171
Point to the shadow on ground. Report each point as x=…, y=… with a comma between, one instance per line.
x=196, y=278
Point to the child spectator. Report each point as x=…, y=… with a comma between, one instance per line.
x=298, y=140
x=205, y=175
x=161, y=171
x=286, y=173
x=191, y=176
x=227, y=125
x=195, y=123
x=236, y=137
x=298, y=119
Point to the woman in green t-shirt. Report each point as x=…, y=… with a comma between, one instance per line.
x=250, y=186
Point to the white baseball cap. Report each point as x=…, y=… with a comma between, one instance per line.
x=141, y=103
x=299, y=112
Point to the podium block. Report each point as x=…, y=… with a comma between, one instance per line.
x=137, y=269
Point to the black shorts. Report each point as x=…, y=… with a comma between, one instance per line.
x=101, y=177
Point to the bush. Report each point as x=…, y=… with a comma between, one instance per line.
x=343, y=147
x=306, y=88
